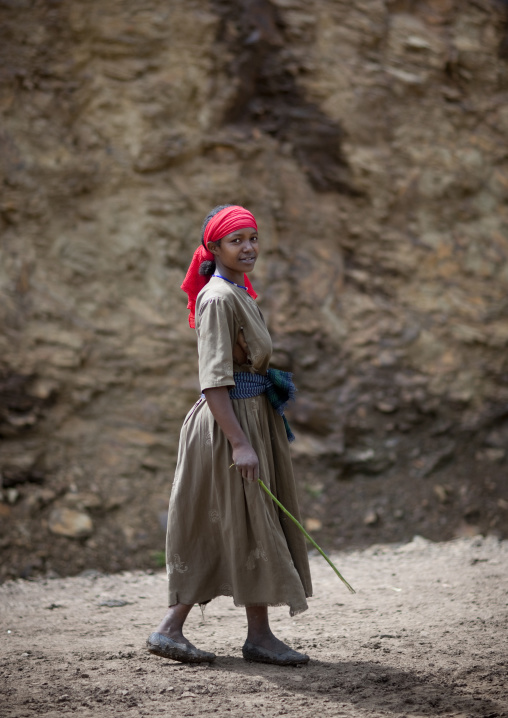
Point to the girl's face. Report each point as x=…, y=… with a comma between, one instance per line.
x=236, y=253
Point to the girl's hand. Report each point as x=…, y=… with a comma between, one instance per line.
x=246, y=462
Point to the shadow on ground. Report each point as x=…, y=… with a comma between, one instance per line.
x=373, y=687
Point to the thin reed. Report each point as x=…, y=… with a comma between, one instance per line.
x=307, y=536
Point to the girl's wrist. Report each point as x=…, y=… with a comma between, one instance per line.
x=239, y=443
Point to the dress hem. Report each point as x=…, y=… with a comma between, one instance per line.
x=292, y=611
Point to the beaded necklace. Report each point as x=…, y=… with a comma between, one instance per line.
x=219, y=276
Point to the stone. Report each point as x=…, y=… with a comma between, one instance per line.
x=443, y=493
x=310, y=446
x=386, y=407
x=69, y=522
x=371, y=518
x=12, y=495
x=313, y=524
x=114, y=603
x=491, y=454
x=368, y=460
x=312, y=416
x=433, y=461
x=409, y=78
x=497, y=438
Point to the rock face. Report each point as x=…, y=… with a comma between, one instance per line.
x=369, y=138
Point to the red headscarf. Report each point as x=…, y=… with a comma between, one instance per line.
x=223, y=223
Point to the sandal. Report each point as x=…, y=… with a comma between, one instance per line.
x=161, y=645
x=257, y=654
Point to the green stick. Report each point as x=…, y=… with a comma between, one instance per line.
x=309, y=538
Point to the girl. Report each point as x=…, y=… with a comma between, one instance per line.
x=225, y=535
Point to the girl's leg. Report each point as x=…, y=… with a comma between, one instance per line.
x=261, y=645
x=172, y=623
x=168, y=640
x=259, y=632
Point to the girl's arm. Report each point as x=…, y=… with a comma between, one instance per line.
x=244, y=456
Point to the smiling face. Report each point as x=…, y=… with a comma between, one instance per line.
x=236, y=253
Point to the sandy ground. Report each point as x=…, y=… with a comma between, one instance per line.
x=425, y=634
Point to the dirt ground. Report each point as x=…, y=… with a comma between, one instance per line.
x=426, y=634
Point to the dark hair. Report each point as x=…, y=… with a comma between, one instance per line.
x=207, y=268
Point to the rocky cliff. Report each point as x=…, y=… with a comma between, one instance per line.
x=369, y=138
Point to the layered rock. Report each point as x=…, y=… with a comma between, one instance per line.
x=369, y=138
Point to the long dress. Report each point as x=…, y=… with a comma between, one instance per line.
x=226, y=537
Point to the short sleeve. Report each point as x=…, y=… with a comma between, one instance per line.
x=216, y=327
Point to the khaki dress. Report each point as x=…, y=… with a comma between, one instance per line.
x=226, y=537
